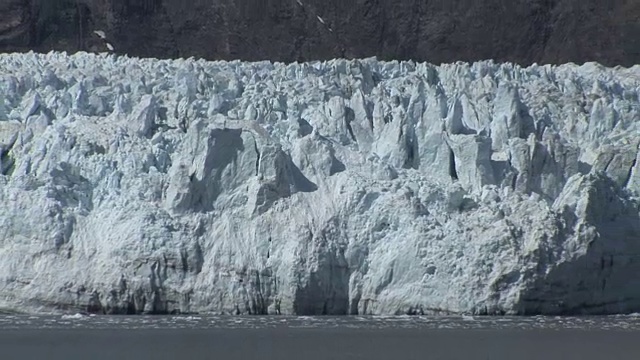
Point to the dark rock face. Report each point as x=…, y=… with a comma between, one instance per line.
x=522, y=31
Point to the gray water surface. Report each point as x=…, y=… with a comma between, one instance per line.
x=283, y=338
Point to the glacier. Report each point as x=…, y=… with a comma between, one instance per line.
x=341, y=187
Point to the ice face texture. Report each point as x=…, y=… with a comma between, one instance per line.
x=340, y=187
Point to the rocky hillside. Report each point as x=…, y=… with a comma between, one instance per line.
x=521, y=31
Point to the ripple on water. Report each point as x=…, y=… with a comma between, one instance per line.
x=79, y=321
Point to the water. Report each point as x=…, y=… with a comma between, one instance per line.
x=310, y=338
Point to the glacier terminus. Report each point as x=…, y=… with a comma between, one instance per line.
x=341, y=187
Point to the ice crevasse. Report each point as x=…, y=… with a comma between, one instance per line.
x=340, y=187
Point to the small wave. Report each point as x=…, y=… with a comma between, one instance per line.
x=73, y=317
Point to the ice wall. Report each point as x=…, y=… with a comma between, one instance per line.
x=341, y=187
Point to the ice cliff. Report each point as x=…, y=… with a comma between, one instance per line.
x=340, y=187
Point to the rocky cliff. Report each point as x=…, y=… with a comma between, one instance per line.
x=340, y=187
x=521, y=31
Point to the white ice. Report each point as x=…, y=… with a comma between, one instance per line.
x=339, y=187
